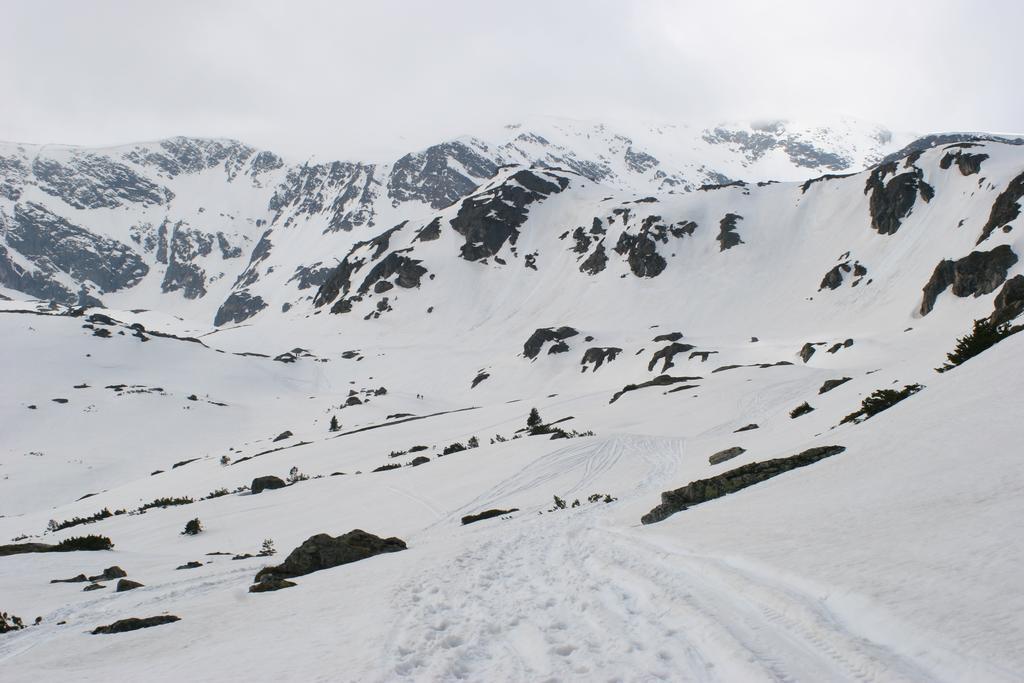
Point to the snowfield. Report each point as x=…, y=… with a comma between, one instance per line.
x=898, y=559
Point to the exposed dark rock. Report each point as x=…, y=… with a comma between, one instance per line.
x=727, y=236
x=313, y=275
x=190, y=565
x=324, y=552
x=703, y=355
x=659, y=381
x=840, y=345
x=133, y=624
x=270, y=583
x=891, y=202
x=419, y=460
x=238, y=307
x=490, y=219
x=641, y=254
x=598, y=355
x=667, y=354
x=1005, y=209
x=480, y=377
x=429, y=232
x=282, y=436
x=831, y=384
x=669, y=337
x=127, y=585
x=487, y=514
x=734, y=480
x=94, y=587
x=543, y=335
x=968, y=163
x=81, y=578
x=978, y=273
x=260, y=484
x=801, y=410
x=828, y=176
x=109, y=574
x=408, y=271
x=746, y=428
x=726, y=454
x=596, y=262
x=927, y=142
x=431, y=176
x=1009, y=302
x=807, y=350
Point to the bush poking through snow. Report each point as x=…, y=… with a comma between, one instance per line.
x=983, y=336
x=294, y=476
x=192, y=527
x=534, y=420
x=268, y=548
x=801, y=409
x=90, y=542
x=473, y=442
x=166, y=503
x=9, y=622
x=453, y=448
x=225, y=460
x=880, y=400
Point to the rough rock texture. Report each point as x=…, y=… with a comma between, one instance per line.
x=238, y=307
x=726, y=454
x=890, y=202
x=133, y=624
x=978, y=273
x=807, y=350
x=1009, y=302
x=127, y=585
x=270, y=583
x=543, y=335
x=487, y=514
x=968, y=163
x=109, y=574
x=831, y=384
x=439, y=175
x=598, y=356
x=729, y=482
x=659, y=381
x=747, y=428
x=1005, y=209
x=727, y=236
x=260, y=484
x=667, y=354
x=323, y=552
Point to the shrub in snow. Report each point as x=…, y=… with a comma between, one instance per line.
x=192, y=527
x=880, y=400
x=90, y=542
x=453, y=448
x=801, y=409
x=983, y=336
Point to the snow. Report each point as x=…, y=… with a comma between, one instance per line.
x=896, y=560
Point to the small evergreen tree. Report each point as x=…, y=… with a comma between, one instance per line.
x=334, y=423
x=559, y=503
x=534, y=420
x=192, y=527
x=983, y=336
x=225, y=460
x=473, y=442
x=268, y=548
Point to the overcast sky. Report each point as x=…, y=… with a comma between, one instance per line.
x=360, y=79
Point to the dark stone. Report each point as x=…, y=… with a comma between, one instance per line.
x=667, y=354
x=659, y=381
x=734, y=480
x=133, y=624
x=968, y=163
x=487, y=514
x=978, y=273
x=238, y=307
x=801, y=410
x=419, y=460
x=1005, y=209
x=109, y=574
x=94, y=587
x=598, y=356
x=831, y=384
x=1009, y=302
x=641, y=253
x=834, y=278
x=324, y=552
x=727, y=236
x=190, y=565
x=127, y=585
x=270, y=583
x=81, y=578
x=747, y=428
x=282, y=436
x=807, y=350
x=260, y=484
x=543, y=335
x=703, y=355
x=891, y=202
x=669, y=337
x=429, y=232
x=963, y=140
x=726, y=454
x=596, y=262
x=430, y=177
x=480, y=377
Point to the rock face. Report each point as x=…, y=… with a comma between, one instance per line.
x=726, y=454
x=1005, y=209
x=134, y=624
x=831, y=384
x=597, y=356
x=667, y=354
x=127, y=585
x=659, y=381
x=238, y=307
x=271, y=583
x=543, y=335
x=487, y=514
x=890, y=202
x=978, y=273
x=1009, y=303
x=260, y=484
x=323, y=552
x=727, y=236
x=109, y=574
x=729, y=482
x=968, y=163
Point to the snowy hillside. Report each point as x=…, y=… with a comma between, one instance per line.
x=686, y=342
x=214, y=230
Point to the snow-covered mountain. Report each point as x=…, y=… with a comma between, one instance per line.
x=690, y=333
x=217, y=230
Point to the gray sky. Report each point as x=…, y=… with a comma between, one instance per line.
x=360, y=79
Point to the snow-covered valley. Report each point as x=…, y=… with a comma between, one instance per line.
x=656, y=324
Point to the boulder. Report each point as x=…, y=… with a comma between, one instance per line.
x=726, y=454
x=109, y=574
x=260, y=484
x=419, y=460
x=978, y=273
x=324, y=551
x=270, y=583
x=127, y=585
x=1009, y=302
x=94, y=587
x=286, y=434
x=729, y=482
x=81, y=578
x=831, y=384
x=133, y=624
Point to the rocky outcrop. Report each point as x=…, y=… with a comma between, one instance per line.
x=734, y=480
x=597, y=356
x=968, y=163
x=238, y=307
x=1005, y=209
x=890, y=202
x=834, y=278
x=440, y=175
x=260, y=484
x=487, y=514
x=134, y=624
x=544, y=335
x=830, y=384
x=727, y=236
x=726, y=454
x=127, y=585
x=324, y=552
x=1009, y=302
x=667, y=354
x=978, y=273
x=659, y=381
